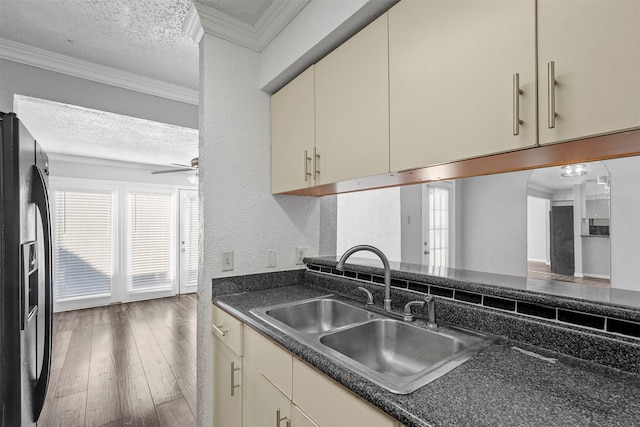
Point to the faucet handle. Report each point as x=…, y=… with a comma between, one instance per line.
x=407, y=315
x=369, y=295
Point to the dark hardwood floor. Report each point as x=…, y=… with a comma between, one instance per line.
x=124, y=365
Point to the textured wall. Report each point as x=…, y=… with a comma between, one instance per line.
x=240, y=213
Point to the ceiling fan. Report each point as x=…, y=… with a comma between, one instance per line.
x=180, y=168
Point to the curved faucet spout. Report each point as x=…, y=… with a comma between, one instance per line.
x=385, y=263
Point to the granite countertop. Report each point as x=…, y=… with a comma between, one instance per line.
x=499, y=386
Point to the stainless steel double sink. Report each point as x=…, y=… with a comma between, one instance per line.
x=397, y=355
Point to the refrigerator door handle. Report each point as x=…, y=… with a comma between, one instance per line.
x=41, y=199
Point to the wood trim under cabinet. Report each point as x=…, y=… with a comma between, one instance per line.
x=623, y=144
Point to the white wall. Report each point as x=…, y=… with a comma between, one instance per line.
x=625, y=224
x=370, y=218
x=494, y=230
x=538, y=229
x=39, y=83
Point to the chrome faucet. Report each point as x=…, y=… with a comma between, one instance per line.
x=431, y=310
x=385, y=262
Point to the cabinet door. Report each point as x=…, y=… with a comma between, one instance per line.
x=268, y=358
x=262, y=401
x=330, y=404
x=227, y=374
x=300, y=419
x=451, y=73
x=352, y=107
x=293, y=135
x=595, y=48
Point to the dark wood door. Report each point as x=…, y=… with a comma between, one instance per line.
x=562, y=240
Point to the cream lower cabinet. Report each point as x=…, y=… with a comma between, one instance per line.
x=263, y=404
x=331, y=405
x=462, y=79
x=228, y=378
x=588, y=67
x=272, y=388
x=227, y=369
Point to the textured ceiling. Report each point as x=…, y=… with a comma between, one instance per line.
x=67, y=129
x=143, y=37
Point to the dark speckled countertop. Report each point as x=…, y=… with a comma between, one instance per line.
x=498, y=387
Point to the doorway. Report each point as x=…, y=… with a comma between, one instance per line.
x=189, y=222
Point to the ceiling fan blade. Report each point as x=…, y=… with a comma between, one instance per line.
x=172, y=170
x=181, y=165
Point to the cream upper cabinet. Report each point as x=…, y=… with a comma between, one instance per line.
x=293, y=134
x=594, y=47
x=352, y=107
x=227, y=368
x=453, y=66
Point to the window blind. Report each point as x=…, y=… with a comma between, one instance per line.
x=192, y=249
x=83, y=244
x=150, y=241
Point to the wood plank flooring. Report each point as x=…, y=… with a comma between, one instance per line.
x=539, y=270
x=124, y=365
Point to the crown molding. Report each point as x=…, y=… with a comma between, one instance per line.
x=192, y=26
x=254, y=37
x=28, y=55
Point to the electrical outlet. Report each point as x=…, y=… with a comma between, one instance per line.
x=300, y=254
x=227, y=261
x=271, y=258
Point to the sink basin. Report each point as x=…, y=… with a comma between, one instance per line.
x=391, y=347
x=318, y=315
x=399, y=356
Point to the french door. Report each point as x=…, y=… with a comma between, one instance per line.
x=189, y=223
x=118, y=242
x=438, y=224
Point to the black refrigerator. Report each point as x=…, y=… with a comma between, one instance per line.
x=26, y=297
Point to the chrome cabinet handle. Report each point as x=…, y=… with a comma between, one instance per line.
x=233, y=380
x=516, y=104
x=280, y=419
x=307, y=159
x=551, y=91
x=316, y=160
x=218, y=330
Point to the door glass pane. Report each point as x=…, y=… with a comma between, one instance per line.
x=151, y=241
x=83, y=252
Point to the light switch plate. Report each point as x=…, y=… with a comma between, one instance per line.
x=271, y=258
x=227, y=261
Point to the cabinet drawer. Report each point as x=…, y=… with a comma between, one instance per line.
x=330, y=404
x=227, y=328
x=272, y=361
